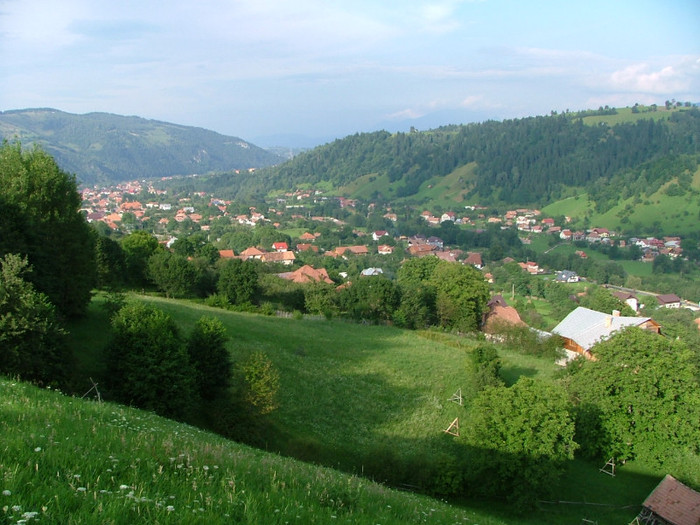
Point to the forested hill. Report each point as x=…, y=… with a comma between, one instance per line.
x=525, y=161
x=101, y=147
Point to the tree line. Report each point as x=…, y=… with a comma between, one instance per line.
x=533, y=160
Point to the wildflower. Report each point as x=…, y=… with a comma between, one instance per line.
x=170, y=508
x=123, y=487
x=6, y=493
x=37, y=449
x=16, y=508
x=29, y=515
x=81, y=489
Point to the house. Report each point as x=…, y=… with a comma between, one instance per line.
x=391, y=216
x=627, y=298
x=420, y=250
x=566, y=276
x=306, y=236
x=385, y=249
x=368, y=272
x=435, y=241
x=448, y=216
x=251, y=253
x=379, y=234
x=307, y=274
x=500, y=315
x=305, y=247
x=286, y=258
x=583, y=328
x=565, y=235
x=342, y=251
x=669, y=300
x=280, y=246
x=530, y=267
x=670, y=503
x=227, y=254
x=474, y=258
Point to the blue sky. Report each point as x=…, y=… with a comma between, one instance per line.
x=328, y=68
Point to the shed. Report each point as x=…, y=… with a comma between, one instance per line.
x=671, y=503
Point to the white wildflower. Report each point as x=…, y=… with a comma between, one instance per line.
x=81, y=489
x=123, y=487
x=16, y=508
x=170, y=508
x=6, y=493
x=37, y=449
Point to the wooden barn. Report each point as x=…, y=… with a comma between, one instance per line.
x=670, y=503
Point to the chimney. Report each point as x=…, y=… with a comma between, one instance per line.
x=616, y=313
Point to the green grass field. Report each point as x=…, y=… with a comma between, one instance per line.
x=349, y=392
x=72, y=461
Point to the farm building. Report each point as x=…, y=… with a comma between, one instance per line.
x=583, y=328
x=670, y=503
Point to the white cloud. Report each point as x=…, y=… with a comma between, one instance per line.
x=404, y=114
x=641, y=79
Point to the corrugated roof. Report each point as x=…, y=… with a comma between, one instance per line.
x=588, y=327
x=674, y=502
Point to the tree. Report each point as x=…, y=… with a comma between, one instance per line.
x=206, y=346
x=172, y=273
x=602, y=300
x=138, y=248
x=484, y=368
x=372, y=298
x=238, y=281
x=417, y=307
x=261, y=382
x=109, y=259
x=148, y=364
x=43, y=202
x=640, y=398
x=524, y=435
x=462, y=294
x=32, y=342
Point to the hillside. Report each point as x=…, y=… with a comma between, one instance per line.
x=375, y=400
x=610, y=154
x=67, y=460
x=106, y=148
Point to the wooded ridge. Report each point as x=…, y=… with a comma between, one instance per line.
x=107, y=148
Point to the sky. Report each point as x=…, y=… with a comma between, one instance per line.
x=312, y=70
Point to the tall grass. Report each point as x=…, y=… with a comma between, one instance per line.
x=70, y=461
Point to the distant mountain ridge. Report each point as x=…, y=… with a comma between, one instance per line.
x=108, y=148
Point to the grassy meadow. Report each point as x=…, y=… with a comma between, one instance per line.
x=351, y=395
x=70, y=461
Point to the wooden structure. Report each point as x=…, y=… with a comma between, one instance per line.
x=457, y=397
x=670, y=503
x=609, y=467
x=453, y=429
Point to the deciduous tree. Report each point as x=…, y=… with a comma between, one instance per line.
x=31, y=339
x=640, y=398
x=43, y=202
x=148, y=364
x=524, y=435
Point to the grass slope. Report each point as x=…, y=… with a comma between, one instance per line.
x=352, y=392
x=672, y=215
x=66, y=460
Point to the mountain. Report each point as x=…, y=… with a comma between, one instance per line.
x=107, y=148
x=610, y=154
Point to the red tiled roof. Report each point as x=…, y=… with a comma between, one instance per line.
x=674, y=502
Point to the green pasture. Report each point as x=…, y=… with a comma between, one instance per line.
x=347, y=393
x=67, y=460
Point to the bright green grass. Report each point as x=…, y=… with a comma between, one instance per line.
x=349, y=390
x=448, y=191
x=674, y=215
x=66, y=460
x=625, y=115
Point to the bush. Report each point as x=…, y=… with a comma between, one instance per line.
x=147, y=362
